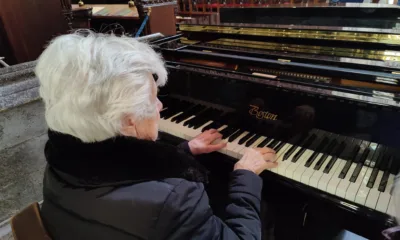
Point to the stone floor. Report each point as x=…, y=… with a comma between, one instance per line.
x=22, y=138
x=21, y=174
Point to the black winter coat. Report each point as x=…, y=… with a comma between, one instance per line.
x=124, y=188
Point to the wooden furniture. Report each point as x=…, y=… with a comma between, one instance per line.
x=81, y=17
x=162, y=18
x=26, y=27
x=109, y=11
x=28, y=225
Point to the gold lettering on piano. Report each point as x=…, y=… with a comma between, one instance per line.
x=254, y=111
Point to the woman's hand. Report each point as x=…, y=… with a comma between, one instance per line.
x=257, y=160
x=206, y=142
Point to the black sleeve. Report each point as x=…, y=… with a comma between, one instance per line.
x=187, y=213
x=185, y=147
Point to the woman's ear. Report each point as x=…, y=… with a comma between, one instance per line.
x=128, y=127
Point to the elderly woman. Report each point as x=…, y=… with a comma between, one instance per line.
x=107, y=177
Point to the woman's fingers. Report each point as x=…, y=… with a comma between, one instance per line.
x=212, y=130
x=265, y=150
x=267, y=153
x=269, y=165
x=215, y=147
x=216, y=135
x=269, y=157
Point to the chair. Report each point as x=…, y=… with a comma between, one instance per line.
x=28, y=225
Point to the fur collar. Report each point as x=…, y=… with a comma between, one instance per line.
x=120, y=160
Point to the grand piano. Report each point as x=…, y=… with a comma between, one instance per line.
x=317, y=82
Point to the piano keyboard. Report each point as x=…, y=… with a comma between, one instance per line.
x=360, y=171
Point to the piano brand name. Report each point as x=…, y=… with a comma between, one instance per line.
x=255, y=111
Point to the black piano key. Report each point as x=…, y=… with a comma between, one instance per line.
x=188, y=113
x=245, y=138
x=182, y=117
x=345, y=169
x=211, y=125
x=372, y=178
x=330, y=164
x=273, y=143
x=362, y=155
x=383, y=183
x=311, y=159
x=293, y=148
x=328, y=151
x=298, y=155
x=376, y=160
x=335, y=153
x=279, y=146
x=368, y=154
x=387, y=159
x=169, y=113
x=319, y=149
x=199, y=117
x=252, y=140
x=213, y=114
x=165, y=112
x=235, y=135
x=349, y=156
x=309, y=141
x=179, y=107
x=385, y=166
x=264, y=142
x=321, y=161
x=356, y=172
x=200, y=123
x=228, y=132
x=289, y=152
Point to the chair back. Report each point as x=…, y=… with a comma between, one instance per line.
x=28, y=225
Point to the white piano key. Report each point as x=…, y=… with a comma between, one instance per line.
x=334, y=181
x=254, y=145
x=183, y=130
x=354, y=187
x=279, y=155
x=282, y=165
x=170, y=126
x=305, y=178
x=384, y=197
x=345, y=182
x=391, y=208
x=231, y=146
x=240, y=149
x=258, y=141
x=326, y=177
x=291, y=165
x=373, y=195
x=363, y=191
x=222, y=128
x=300, y=165
x=317, y=175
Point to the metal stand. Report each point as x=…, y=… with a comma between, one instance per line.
x=3, y=63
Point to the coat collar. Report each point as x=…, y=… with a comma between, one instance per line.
x=119, y=160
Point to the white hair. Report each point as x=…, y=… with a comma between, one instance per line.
x=90, y=81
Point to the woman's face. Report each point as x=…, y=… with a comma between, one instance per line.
x=147, y=128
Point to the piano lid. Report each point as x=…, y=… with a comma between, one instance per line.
x=348, y=51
